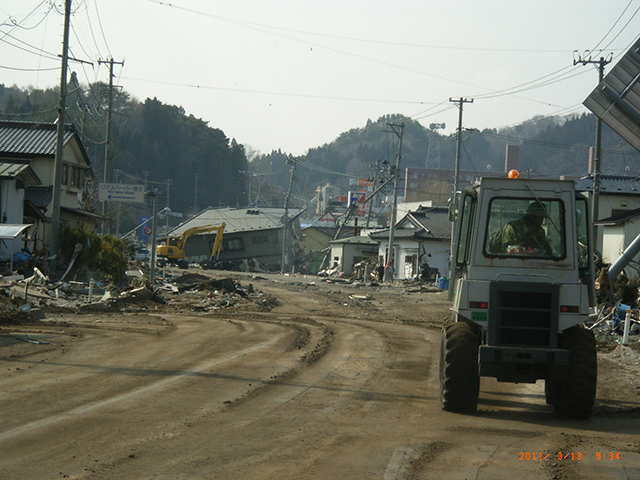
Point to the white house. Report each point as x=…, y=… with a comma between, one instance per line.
x=346, y=252
x=618, y=233
x=14, y=178
x=618, y=201
x=421, y=240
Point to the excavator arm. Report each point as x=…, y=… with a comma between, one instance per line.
x=217, y=245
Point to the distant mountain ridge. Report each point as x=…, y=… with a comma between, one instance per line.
x=196, y=165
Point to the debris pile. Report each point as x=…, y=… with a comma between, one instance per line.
x=27, y=299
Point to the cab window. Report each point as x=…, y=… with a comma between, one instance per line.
x=525, y=227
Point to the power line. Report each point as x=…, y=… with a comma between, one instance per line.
x=613, y=26
x=102, y=29
x=260, y=27
x=29, y=69
x=622, y=30
x=263, y=92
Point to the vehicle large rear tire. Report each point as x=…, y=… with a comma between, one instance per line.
x=576, y=395
x=459, y=372
x=551, y=389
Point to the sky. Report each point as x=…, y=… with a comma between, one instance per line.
x=292, y=75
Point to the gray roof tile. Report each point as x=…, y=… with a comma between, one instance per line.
x=239, y=219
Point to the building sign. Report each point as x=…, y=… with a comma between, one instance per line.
x=120, y=192
x=365, y=183
x=145, y=230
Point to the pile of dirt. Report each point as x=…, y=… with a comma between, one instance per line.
x=14, y=311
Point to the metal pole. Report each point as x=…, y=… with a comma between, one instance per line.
x=390, y=266
x=57, y=166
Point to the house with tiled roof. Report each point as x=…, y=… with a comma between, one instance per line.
x=619, y=198
x=421, y=241
x=618, y=232
x=254, y=233
x=32, y=147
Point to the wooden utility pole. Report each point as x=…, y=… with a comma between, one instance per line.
x=54, y=233
x=389, y=268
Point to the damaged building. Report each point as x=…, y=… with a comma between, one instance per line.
x=254, y=236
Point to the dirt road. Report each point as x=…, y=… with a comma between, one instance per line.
x=327, y=385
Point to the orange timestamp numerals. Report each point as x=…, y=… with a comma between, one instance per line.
x=608, y=456
x=567, y=456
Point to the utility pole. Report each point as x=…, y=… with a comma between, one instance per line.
x=259, y=189
x=154, y=235
x=248, y=175
x=456, y=183
x=117, y=173
x=595, y=191
x=375, y=183
x=169, y=182
x=108, y=139
x=195, y=195
x=57, y=165
x=286, y=214
x=389, y=268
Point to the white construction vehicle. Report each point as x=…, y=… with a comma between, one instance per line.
x=521, y=283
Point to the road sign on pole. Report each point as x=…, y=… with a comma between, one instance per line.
x=120, y=192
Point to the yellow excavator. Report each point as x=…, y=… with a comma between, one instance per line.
x=173, y=251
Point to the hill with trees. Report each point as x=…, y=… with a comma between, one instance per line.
x=194, y=165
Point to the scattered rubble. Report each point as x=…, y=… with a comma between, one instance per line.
x=27, y=300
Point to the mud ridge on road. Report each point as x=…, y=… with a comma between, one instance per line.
x=505, y=432
x=425, y=456
x=309, y=357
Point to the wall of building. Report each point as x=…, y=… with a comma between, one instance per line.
x=263, y=245
x=614, y=243
x=609, y=205
x=11, y=209
x=11, y=202
x=350, y=254
x=409, y=252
